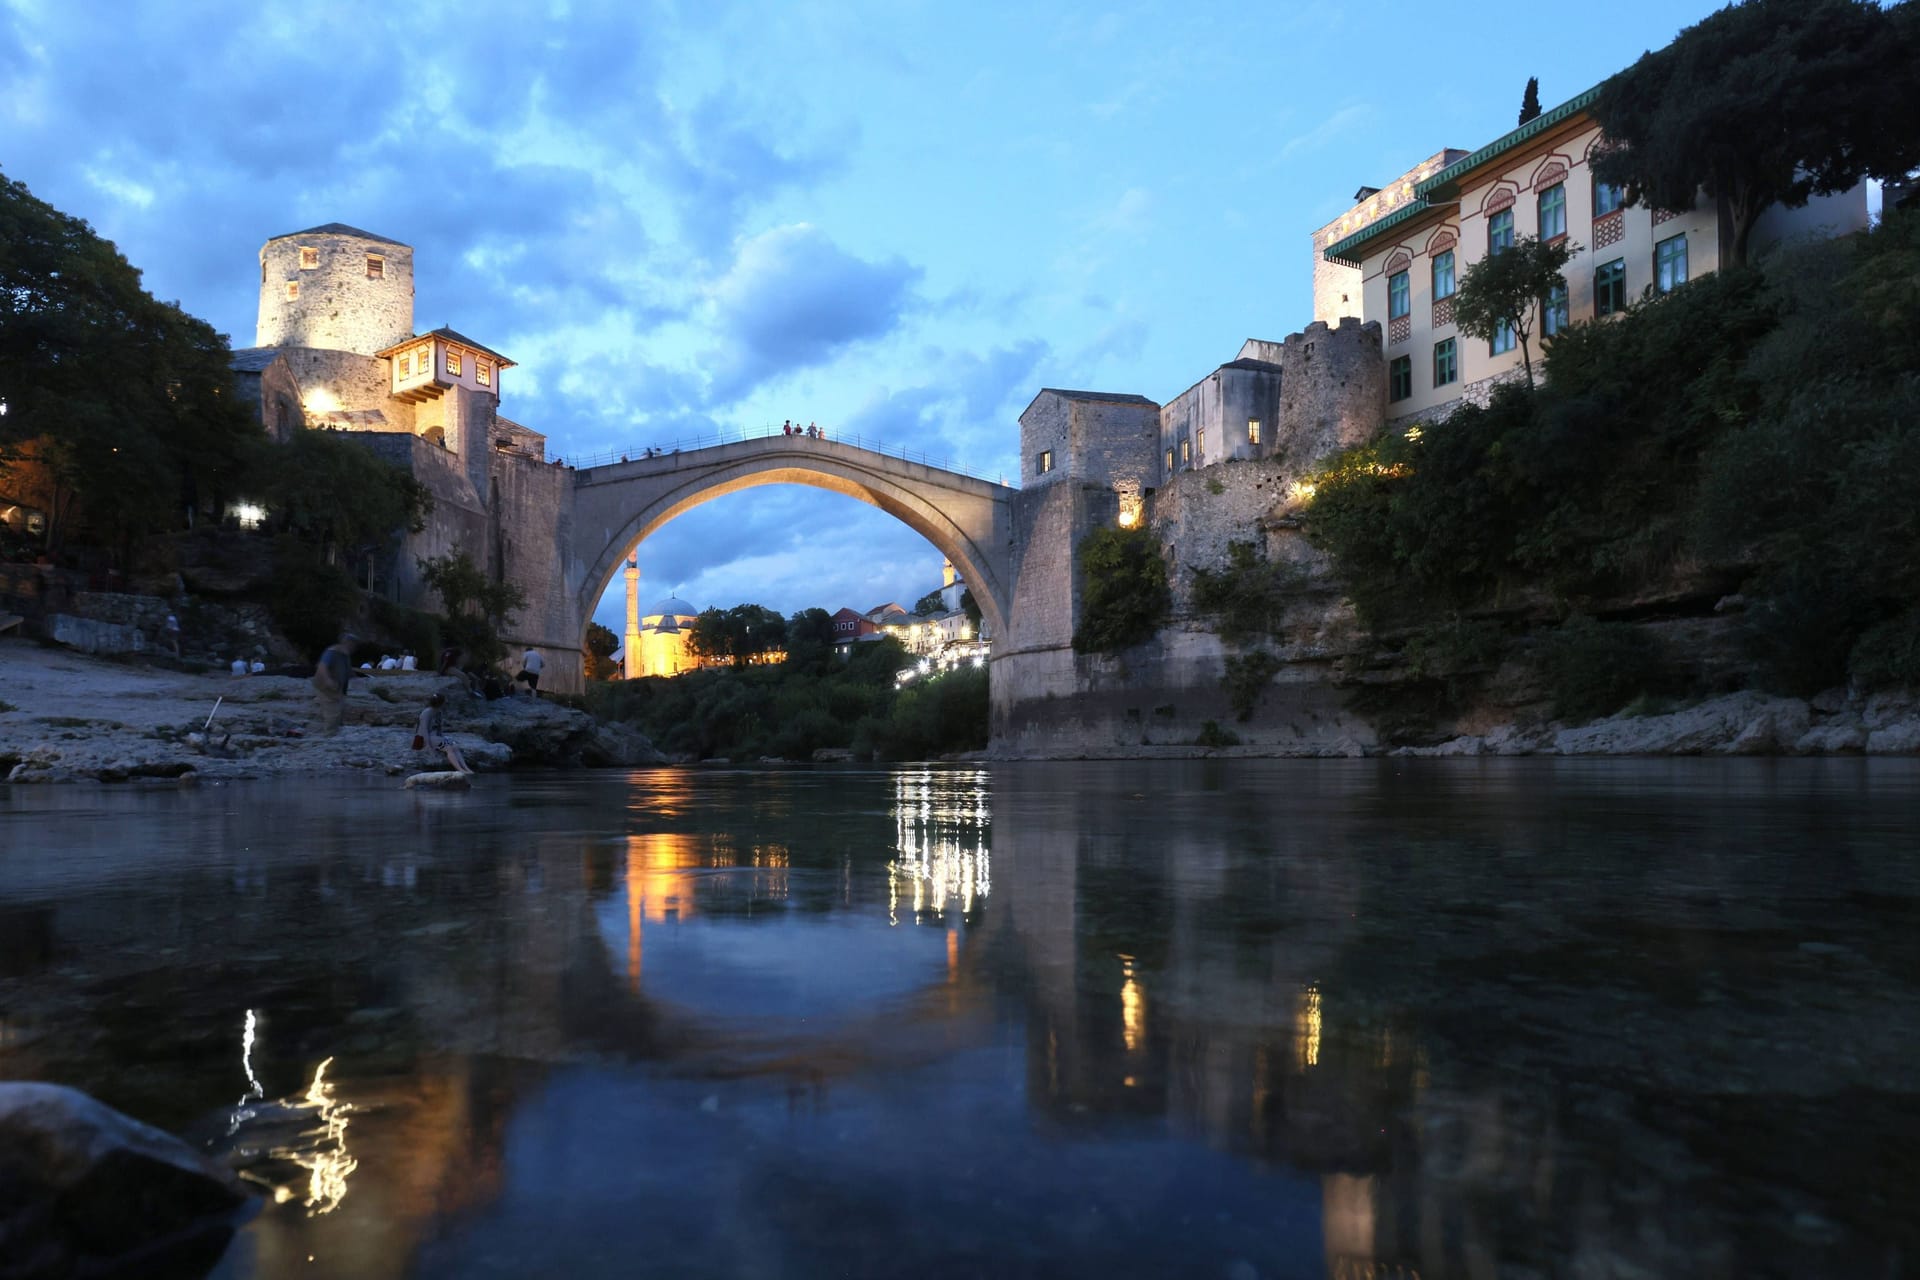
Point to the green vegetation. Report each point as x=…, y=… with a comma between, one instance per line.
x=738, y=635
x=1764, y=422
x=1247, y=677
x=1595, y=668
x=929, y=604
x=1507, y=289
x=1530, y=100
x=1212, y=735
x=1770, y=101
x=1124, y=597
x=477, y=607
x=597, y=652
x=814, y=700
x=1245, y=600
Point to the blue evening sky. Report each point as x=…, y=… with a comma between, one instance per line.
x=897, y=219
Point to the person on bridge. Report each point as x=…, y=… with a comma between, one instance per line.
x=786, y=428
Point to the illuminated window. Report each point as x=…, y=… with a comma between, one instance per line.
x=1253, y=431
x=376, y=267
x=423, y=360
x=1553, y=311
x=406, y=365
x=1443, y=275
x=1169, y=462
x=1044, y=463
x=1503, y=338
x=1446, y=362
x=1553, y=212
x=1500, y=231
x=1607, y=198
x=1186, y=452
x=484, y=372
x=1399, y=295
x=1670, y=264
x=453, y=362
x=1200, y=442
x=309, y=258
x=293, y=290
x=1610, y=288
x=1400, y=378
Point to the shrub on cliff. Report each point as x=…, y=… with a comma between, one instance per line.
x=1244, y=599
x=1124, y=595
x=1594, y=668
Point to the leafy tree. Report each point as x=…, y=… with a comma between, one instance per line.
x=339, y=497
x=1766, y=102
x=929, y=604
x=1124, y=595
x=1530, y=100
x=970, y=607
x=1507, y=287
x=477, y=607
x=598, y=652
x=124, y=403
x=737, y=635
x=810, y=638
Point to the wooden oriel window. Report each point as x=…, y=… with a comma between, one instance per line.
x=483, y=372
x=453, y=362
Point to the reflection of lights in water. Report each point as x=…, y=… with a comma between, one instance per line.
x=941, y=840
x=328, y=1164
x=1306, y=1028
x=248, y=1036
x=1133, y=1008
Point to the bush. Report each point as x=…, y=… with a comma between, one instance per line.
x=1124, y=596
x=413, y=629
x=1247, y=677
x=1245, y=600
x=1888, y=655
x=1212, y=735
x=1593, y=668
x=310, y=600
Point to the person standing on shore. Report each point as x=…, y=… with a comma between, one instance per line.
x=530, y=664
x=330, y=676
x=173, y=634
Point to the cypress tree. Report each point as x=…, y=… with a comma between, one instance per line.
x=1530, y=101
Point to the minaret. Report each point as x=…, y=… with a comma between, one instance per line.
x=633, y=616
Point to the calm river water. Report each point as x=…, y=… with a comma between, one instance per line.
x=1249, y=1019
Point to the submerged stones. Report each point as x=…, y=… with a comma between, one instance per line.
x=85, y=1190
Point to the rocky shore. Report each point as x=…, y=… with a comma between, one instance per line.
x=65, y=717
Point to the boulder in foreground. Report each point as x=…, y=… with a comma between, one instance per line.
x=85, y=1190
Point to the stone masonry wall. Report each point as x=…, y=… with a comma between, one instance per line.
x=531, y=517
x=1334, y=390
x=353, y=383
x=338, y=307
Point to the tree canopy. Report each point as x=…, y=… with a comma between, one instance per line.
x=737, y=635
x=1765, y=102
x=1530, y=100
x=126, y=401
x=1505, y=288
x=477, y=607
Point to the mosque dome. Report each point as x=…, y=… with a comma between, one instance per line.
x=673, y=607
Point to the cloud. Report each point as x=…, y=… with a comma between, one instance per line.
x=792, y=299
x=1326, y=131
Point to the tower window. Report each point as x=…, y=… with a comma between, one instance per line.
x=453, y=362
x=1044, y=463
x=309, y=258
x=263, y=271
x=1253, y=431
x=293, y=290
x=1169, y=462
x=423, y=360
x=376, y=267
x=483, y=372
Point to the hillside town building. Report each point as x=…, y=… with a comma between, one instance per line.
x=1396, y=258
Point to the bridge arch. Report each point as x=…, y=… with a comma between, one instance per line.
x=617, y=506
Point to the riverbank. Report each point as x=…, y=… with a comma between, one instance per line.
x=66, y=717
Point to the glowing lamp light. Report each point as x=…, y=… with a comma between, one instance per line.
x=250, y=514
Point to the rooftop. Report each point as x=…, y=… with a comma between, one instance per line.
x=341, y=229
x=252, y=359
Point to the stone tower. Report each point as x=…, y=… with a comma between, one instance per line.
x=630, y=643
x=335, y=288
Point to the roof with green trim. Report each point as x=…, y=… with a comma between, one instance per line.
x=1444, y=185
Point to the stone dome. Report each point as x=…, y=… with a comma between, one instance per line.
x=673, y=607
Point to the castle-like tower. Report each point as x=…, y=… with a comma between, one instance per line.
x=335, y=288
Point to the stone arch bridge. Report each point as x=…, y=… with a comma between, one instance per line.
x=616, y=505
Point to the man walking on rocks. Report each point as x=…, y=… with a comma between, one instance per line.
x=330, y=676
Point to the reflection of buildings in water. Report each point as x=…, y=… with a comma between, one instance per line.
x=941, y=830
x=667, y=872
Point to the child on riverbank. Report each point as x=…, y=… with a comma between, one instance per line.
x=429, y=734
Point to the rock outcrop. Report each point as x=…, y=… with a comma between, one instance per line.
x=87, y=1191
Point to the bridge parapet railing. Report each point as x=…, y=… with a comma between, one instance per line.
x=714, y=439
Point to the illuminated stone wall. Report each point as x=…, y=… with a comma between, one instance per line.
x=338, y=306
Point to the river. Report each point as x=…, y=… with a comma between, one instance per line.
x=1216, y=1019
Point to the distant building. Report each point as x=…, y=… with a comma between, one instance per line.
x=1408, y=255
